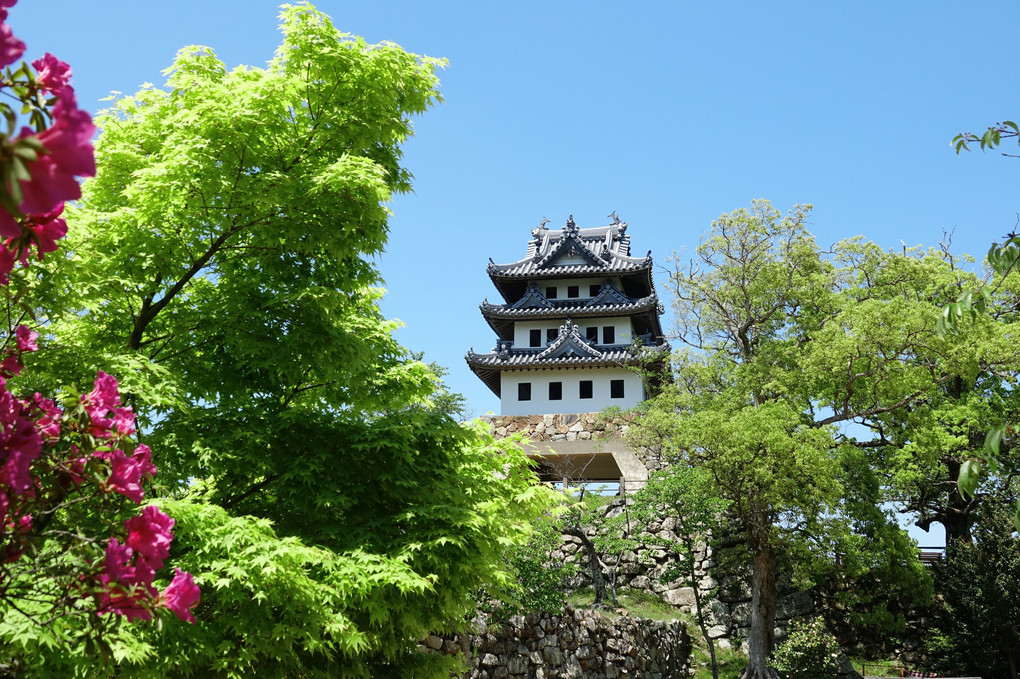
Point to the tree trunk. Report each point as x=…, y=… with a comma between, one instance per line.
x=699, y=612
x=598, y=582
x=956, y=518
x=761, y=639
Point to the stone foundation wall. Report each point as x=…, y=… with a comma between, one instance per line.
x=728, y=613
x=578, y=644
x=561, y=427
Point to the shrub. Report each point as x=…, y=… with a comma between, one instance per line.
x=808, y=652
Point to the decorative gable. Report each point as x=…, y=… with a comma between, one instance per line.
x=570, y=244
x=533, y=298
x=569, y=343
x=608, y=295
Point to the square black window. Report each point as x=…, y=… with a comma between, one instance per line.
x=573, y=291
x=535, y=338
x=592, y=334
x=586, y=391
x=609, y=335
x=550, y=292
x=550, y=334
x=615, y=388
x=524, y=391
x=555, y=391
x=593, y=290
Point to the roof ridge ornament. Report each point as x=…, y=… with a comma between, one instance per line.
x=568, y=243
x=618, y=223
x=570, y=227
x=540, y=228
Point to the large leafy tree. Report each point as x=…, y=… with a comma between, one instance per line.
x=976, y=619
x=330, y=506
x=784, y=343
x=1002, y=261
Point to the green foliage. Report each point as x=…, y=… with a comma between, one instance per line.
x=783, y=343
x=540, y=578
x=684, y=494
x=808, y=652
x=730, y=663
x=328, y=503
x=635, y=603
x=991, y=138
x=1003, y=259
x=976, y=622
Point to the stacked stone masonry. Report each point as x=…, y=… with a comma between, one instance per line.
x=728, y=612
x=578, y=644
x=561, y=427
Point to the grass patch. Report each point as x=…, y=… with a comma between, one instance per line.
x=640, y=604
x=632, y=602
x=731, y=662
x=878, y=668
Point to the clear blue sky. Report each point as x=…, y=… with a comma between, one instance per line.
x=669, y=113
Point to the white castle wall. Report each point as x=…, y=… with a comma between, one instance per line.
x=584, y=284
x=540, y=404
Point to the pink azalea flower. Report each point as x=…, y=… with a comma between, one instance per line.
x=181, y=595
x=46, y=230
x=10, y=407
x=10, y=365
x=125, y=475
x=48, y=424
x=129, y=589
x=124, y=421
x=11, y=48
x=104, y=398
x=149, y=535
x=105, y=393
x=9, y=226
x=143, y=457
x=51, y=73
x=22, y=445
x=69, y=153
x=7, y=259
x=27, y=338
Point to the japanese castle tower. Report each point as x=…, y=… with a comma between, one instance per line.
x=578, y=314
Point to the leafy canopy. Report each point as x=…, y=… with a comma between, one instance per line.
x=220, y=261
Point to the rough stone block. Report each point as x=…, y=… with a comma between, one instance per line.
x=552, y=656
x=683, y=596
x=517, y=664
x=741, y=614
x=798, y=603
x=716, y=631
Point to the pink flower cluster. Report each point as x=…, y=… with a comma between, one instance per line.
x=28, y=428
x=53, y=158
x=129, y=570
x=21, y=443
x=48, y=455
